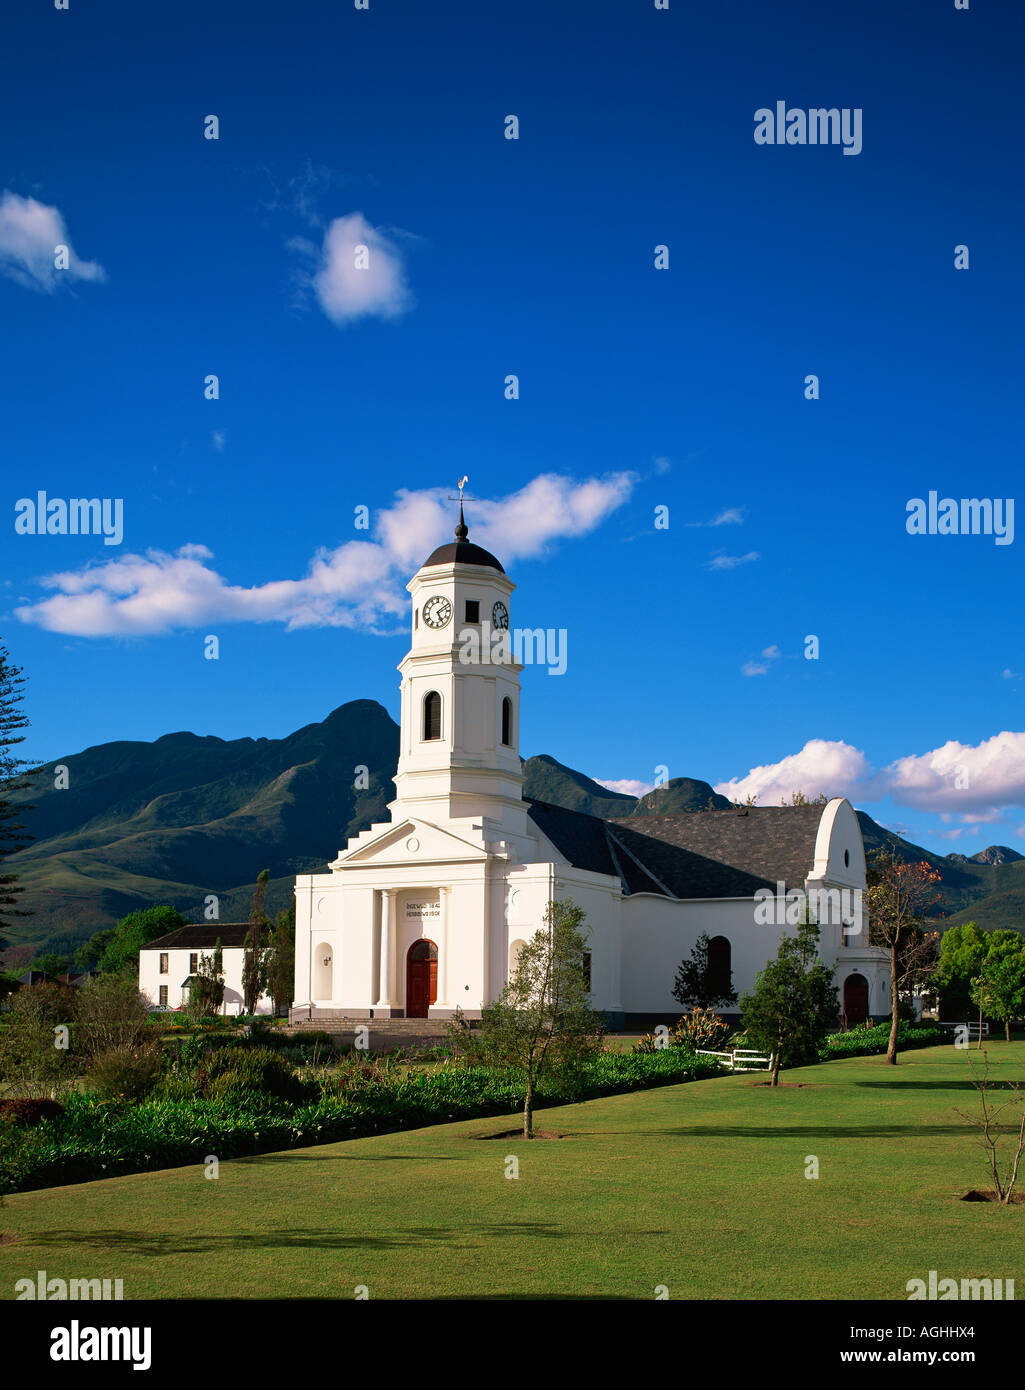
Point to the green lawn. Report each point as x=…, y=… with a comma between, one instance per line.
x=698, y=1187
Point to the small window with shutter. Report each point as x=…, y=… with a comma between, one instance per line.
x=432, y=715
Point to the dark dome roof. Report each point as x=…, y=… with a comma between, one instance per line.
x=461, y=551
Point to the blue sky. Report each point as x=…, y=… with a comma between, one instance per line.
x=639, y=388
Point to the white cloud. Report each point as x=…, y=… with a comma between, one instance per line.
x=833, y=767
x=972, y=782
x=30, y=233
x=1009, y=675
x=359, y=584
x=627, y=785
x=730, y=562
x=217, y=438
x=963, y=777
x=347, y=292
x=731, y=516
x=759, y=668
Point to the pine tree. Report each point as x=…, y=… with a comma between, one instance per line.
x=14, y=773
x=281, y=960
x=254, y=966
x=697, y=985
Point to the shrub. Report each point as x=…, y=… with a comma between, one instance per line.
x=112, y=1015
x=126, y=1072
x=232, y=1071
x=701, y=1028
x=24, y=1110
x=29, y=1060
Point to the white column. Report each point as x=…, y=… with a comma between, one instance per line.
x=387, y=1000
x=616, y=944
x=443, y=948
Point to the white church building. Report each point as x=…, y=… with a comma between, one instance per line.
x=425, y=913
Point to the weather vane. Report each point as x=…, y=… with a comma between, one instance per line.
x=460, y=484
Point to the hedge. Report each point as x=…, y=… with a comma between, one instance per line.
x=868, y=1039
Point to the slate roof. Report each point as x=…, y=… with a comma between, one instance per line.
x=703, y=854
x=201, y=936
x=462, y=553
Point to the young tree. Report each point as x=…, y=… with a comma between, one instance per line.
x=1003, y=1169
x=206, y=993
x=794, y=1002
x=698, y=986
x=542, y=1023
x=281, y=960
x=900, y=897
x=14, y=772
x=254, y=967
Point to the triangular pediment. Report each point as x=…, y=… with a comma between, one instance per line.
x=412, y=841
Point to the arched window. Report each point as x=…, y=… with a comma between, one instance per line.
x=515, y=947
x=720, y=966
x=507, y=737
x=432, y=715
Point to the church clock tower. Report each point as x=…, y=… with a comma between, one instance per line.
x=460, y=725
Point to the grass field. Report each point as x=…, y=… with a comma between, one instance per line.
x=699, y=1187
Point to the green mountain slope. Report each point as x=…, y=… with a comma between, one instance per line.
x=186, y=817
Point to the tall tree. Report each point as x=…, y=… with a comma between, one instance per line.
x=120, y=949
x=901, y=896
x=254, y=968
x=14, y=773
x=699, y=986
x=281, y=960
x=962, y=950
x=999, y=989
x=542, y=1023
x=794, y=1003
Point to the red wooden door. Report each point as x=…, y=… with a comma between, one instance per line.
x=421, y=978
x=855, y=998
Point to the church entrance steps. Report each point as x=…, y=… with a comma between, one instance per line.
x=382, y=1034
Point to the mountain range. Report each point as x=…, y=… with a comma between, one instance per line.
x=125, y=825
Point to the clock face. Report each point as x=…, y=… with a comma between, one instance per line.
x=500, y=615
x=437, y=611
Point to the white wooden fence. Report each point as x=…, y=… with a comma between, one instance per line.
x=741, y=1059
x=973, y=1028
